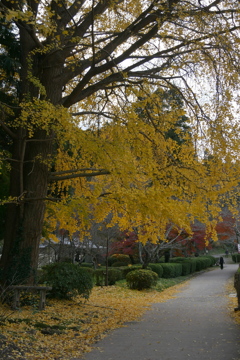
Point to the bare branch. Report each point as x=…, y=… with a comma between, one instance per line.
x=72, y=174
x=7, y=130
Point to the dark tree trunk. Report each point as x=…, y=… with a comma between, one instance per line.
x=24, y=220
x=31, y=158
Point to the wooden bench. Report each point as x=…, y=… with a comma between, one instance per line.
x=18, y=288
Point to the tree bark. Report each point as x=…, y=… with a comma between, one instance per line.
x=29, y=174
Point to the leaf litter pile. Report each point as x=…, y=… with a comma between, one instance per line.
x=67, y=329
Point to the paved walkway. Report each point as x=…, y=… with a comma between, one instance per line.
x=195, y=325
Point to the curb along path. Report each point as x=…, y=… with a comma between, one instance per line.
x=195, y=325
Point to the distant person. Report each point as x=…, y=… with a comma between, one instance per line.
x=226, y=252
x=221, y=262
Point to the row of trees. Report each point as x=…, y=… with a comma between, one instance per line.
x=107, y=242
x=124, y=109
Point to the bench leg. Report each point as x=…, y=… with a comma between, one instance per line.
x=16, y=299
x=42, y=299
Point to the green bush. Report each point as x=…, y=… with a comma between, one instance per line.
x=193, y=264
x=67, y=280
x=141, y=279
x=186, y=263
x=171, y=270
x=178, y=259
x=86, y=265
x=89, y=270
x=157, y=268
x=199, y=264
x=236, y=258
x=114, y=275
x=119, y=258
x=127, y=269
x=118, y=264
x=202, y=263
x=212, y=258
x=186, y=268
x=178, y=270
x=207, y=261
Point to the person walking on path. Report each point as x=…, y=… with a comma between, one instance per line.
x=195, y=325
x=221, y=262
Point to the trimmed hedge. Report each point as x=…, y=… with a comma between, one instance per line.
x=157, y=268
x=187, y=265
x=119, y=264
x=86, y=265
x=212, y=258
x=119, y=258
x=141, y=279
x=193, y=265
x=203, y=262
x=114, y=275
x=186, y=268
x=178, y=259
x=236, y=258
x=171, y=270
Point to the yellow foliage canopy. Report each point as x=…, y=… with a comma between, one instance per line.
x=91, y=121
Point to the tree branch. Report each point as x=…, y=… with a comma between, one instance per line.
x=72, y=174
x=7, y=130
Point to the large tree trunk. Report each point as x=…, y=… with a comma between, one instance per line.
x=25, y=219
x=31, y=158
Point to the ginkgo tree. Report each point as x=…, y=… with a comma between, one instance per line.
x=85, y=68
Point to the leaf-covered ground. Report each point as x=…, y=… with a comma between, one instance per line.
x=67, y=329
x=233, y=303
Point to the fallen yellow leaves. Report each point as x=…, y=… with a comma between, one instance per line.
x=233, y=303
x=67, y=329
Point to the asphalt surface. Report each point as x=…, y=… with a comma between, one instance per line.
x=195, y=325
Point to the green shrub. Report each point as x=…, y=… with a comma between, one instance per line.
x=186, y=265
x=236, y=258
x=178, y=270
x=190, y=265
x=212, y=258
x=67, y=280
x=199, y=264
x=114, y=275
x=202, y=263
x=89, y=270
x=119, y=258
x=87, y=265
x=127, y=269
x=207, y=261
x=141, y=279
x=157, y=268
x=118, y=264
x=193, y=264
x=178, y=259
x=171, y=270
